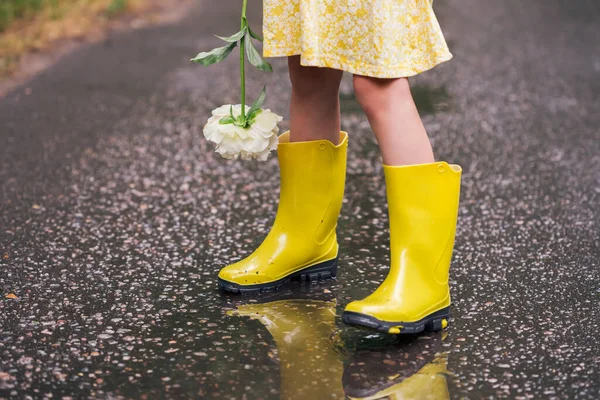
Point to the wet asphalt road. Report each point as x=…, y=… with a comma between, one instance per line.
x=116, y=216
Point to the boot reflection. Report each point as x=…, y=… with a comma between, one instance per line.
x=302, y=329
x=411, y=369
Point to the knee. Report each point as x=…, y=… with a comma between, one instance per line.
x=375, y=94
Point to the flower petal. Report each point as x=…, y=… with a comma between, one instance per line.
x=266, y=122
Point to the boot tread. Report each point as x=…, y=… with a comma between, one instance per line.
x=432, y=323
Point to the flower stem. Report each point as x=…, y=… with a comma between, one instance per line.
x=243, y=61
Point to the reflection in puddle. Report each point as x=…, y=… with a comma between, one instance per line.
x=316, y=362
x=302, y=328
x=412, y=368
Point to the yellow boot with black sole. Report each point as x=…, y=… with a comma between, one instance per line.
x=423, y=207
x=302, y=244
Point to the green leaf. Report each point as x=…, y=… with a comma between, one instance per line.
x=257, y=103
x=234, y=38
x=252, y=118
x=253, y=56
x=254, y=35
x=214, y=56
x=226, y=120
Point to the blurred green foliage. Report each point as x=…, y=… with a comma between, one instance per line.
x=116, y=6
x=11, y=10
x=14, y=9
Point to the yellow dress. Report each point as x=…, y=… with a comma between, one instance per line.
x=379, y=38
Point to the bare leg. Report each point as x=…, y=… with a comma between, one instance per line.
x=394, y=119
x=315, y=105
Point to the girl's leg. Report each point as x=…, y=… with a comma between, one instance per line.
x=315, y=105
x=394, y=119
x=302, y=244
x=422, y=208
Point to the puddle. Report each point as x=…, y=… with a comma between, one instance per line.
x=349, y=104
x=431, y=100
x=428, y=101
x=319, y=360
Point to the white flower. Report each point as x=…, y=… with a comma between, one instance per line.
x=232, y=141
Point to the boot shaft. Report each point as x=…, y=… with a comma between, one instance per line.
x=312, y=185
x=423, y=208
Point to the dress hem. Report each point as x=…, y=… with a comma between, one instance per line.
x=375, y=71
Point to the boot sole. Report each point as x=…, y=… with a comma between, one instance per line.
x=318, y=272
x=431, y=323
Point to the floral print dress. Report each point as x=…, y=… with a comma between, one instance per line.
x=379, y=38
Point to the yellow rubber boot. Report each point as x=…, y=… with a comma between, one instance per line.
x=302, y=243
x=423, y=208
x=301, y=328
